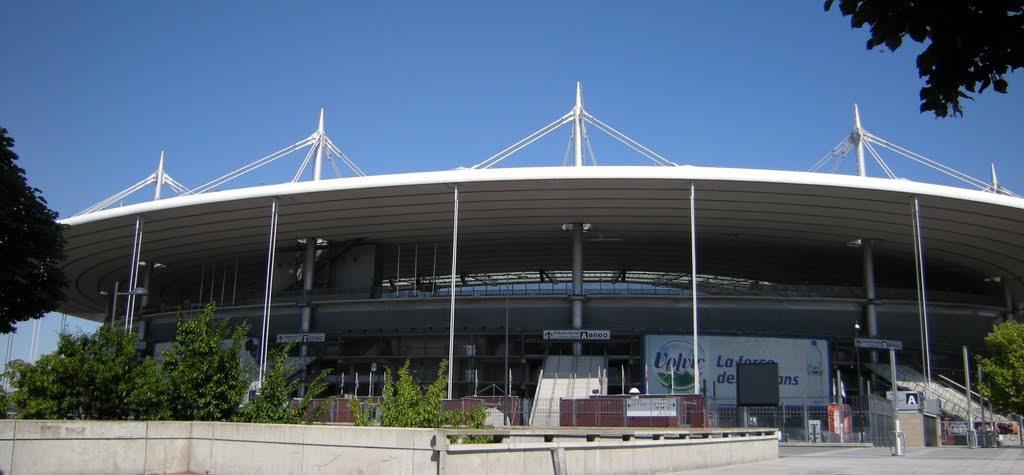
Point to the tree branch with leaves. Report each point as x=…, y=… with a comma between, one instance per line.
x=31, y=246
x=971, y=44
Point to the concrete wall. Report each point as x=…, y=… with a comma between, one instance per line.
x=355, y=269
x=912, y=425
x=649, y=452
x=95, y=447
x=87, y=447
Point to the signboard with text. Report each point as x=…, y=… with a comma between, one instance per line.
x=956, y=427
x=651, y=407
x=301, y=337
x=879, y=344
x=906, y=400
x=577, y=335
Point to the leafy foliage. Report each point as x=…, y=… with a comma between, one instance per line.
x=476, y=418
x=361, y=409
x=405, y=405
x=89, y=376
x=1004, y=371
x=99, y=376
x=272, y=405
x=206, y=378
x=31, y=246
x=971, y=44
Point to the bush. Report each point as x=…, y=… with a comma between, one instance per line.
x=273, y=403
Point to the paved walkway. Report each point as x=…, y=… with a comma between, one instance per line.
x=878, y=460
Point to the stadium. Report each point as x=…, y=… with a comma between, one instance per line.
x=506, y=271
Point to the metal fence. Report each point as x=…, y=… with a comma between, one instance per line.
x=861, y=419
x=619, y=411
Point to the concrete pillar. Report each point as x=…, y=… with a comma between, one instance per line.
x=308, y=275
x=147, y=274
x=577, y=283
x=1008, y=298
x=870, y=310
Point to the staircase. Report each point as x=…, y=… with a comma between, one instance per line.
x=952, y=401
x=565, y=377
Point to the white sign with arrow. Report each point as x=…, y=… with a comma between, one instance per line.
x=577, y=334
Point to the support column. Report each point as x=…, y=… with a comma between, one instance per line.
x=1008, y=298
x=309, y=263
x=308, y=275
x=147, y=275
x=922, y=299
x=871, y=297
x=967, y=394
x=133, y=274
x=113, y=305
x=577, y=284
x=268, y=291
x=693, y=287
x=451, y=322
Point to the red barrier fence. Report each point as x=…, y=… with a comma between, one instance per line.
x=614, y=411
x=597, y=411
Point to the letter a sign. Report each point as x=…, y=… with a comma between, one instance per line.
x=912, y=399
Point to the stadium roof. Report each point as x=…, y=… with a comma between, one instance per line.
x=521, y=210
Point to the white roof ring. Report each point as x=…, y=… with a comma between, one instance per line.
x=973, y=230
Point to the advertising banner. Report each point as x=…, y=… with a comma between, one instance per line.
x=803, y=365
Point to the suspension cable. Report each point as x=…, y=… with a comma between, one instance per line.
x=650, y=154
x=493, y=160
x=878, y=158
x=252, y=166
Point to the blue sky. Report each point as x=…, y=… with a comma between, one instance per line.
x=93, y=91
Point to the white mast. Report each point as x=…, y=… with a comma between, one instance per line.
x=995, y=182
x=858, y=140
x=577, y=127
x=159, y=177
x=319, y=144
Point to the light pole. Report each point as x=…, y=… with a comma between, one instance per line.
x=856, y=351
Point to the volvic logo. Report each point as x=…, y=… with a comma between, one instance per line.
x=673, y=365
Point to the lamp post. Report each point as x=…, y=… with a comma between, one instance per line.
x=856, y=351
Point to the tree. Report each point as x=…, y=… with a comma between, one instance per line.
x=406, y=405
x=972, y=44
x=207, y=381
x=273, y=403
x=89, y=376
x=31, y=246
x=1003, y=383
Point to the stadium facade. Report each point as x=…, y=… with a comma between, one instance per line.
x=381, y=266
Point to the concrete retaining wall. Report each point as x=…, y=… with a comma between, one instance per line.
x=95, y=447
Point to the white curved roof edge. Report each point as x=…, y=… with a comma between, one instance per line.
x=463, y=176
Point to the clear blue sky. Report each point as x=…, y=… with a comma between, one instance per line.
x=93, y=91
